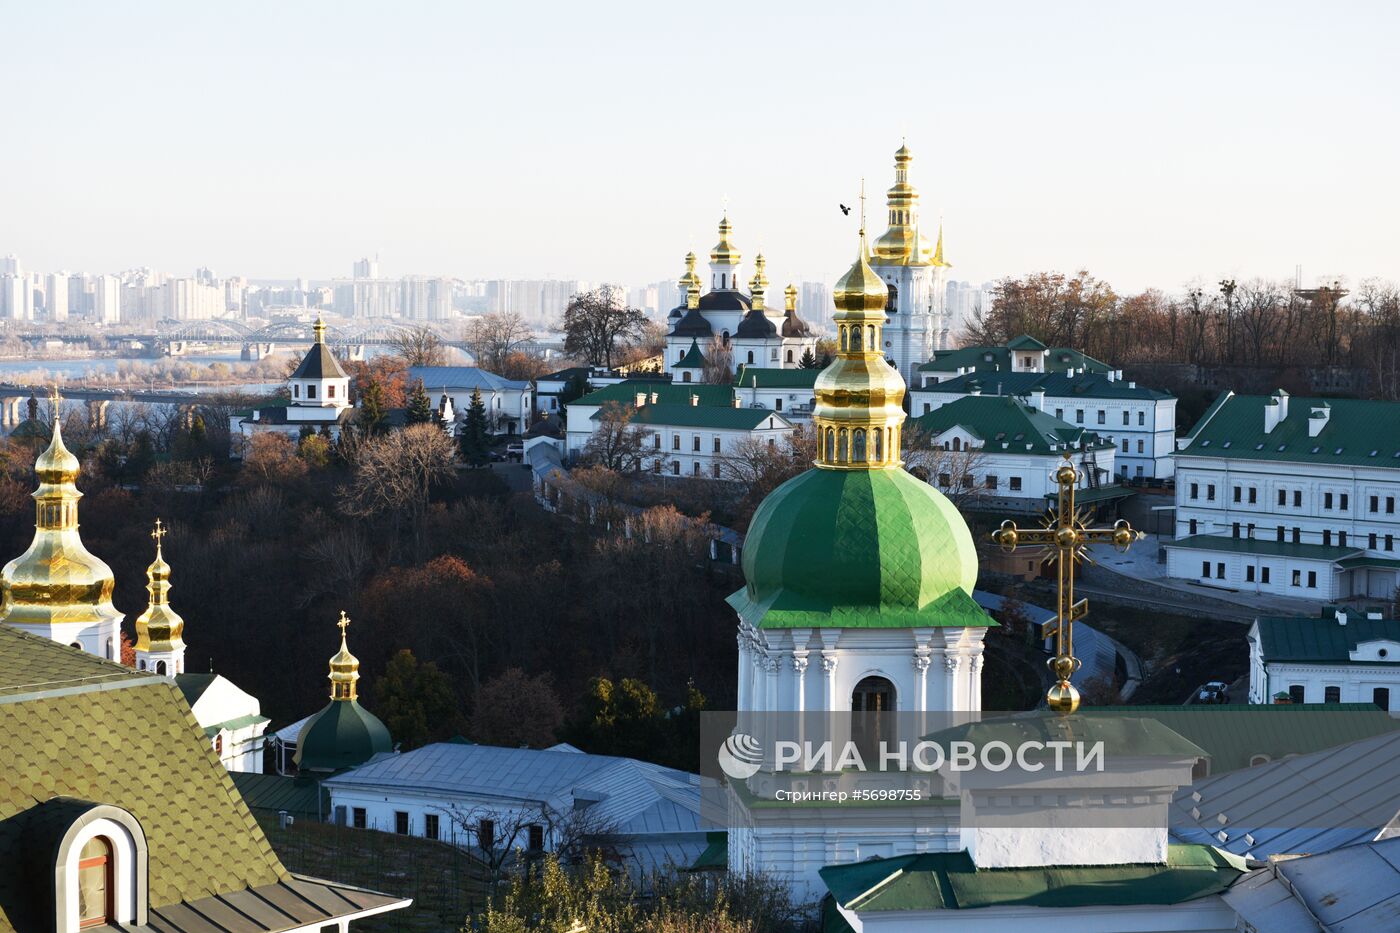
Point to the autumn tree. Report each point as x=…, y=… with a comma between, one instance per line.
x=616, y=443
x=388, y=370
x=492, y=338
x=271, y=458
x=395, y=475
x=419, y=345
x=598, y=324
x=416, y=702
x=515, y=709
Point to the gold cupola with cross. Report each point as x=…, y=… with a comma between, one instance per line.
x=902, y=244
x=860, y=398
x=160, y=642
x=343, y=734
x=57, y=588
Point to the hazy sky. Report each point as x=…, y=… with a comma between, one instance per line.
x=1149, y=143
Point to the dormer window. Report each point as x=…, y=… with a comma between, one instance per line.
x=100, y=860
x=96, y=890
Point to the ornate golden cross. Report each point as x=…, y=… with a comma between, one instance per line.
x=344, y=623
x=1063, y=538
x=160, y=532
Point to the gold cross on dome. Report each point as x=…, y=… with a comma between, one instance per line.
x=160, y=532
x=344, y=623
x=1063, y=539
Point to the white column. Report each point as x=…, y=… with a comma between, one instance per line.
x=799, y=676
x=951, y=662
x=743, y=685
x=922, y=662
x=829, y=661
x=975, y=691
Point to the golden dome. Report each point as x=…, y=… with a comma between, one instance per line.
x=56, y=580
x=758, y=285
x=345, y=667
x=902, y=244
x=724, y=253
x=860, y=397
x=790, y=297
x=160, y=627
x=690, y=278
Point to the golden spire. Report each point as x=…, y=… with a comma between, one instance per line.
x=758, y=285
x=938, y=259
x=345, y=667
x=860, y=397
x=724, y=253
x=159, y=628
x=790, y=297
x=690, y=279
x=320, y=329
x=56, y=581
x=902, y=244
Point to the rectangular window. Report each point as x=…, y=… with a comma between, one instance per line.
x=1297, y=498
x=1253, y=494
x=1015, y=482
x=1375, y=503
x=1390, y=505
x=1297, y=535
x=695, y=468
x=536, y=838
x=1192, y=526
x=1331, y=694
x=1060, y=413
x=1139, y=447
x=310, y=391
x=1341, y=539
x=695, y=443
x=1220, y=571
x=656, y=441
x=1234, y=529
x=1205, y=569
x=1142, y=417
x=991, y=481
x=1102, y=417
x=927, y=408
x=486, y=834
x=1283, y=497
x=1296, y=693
x=1390, y=542
x=716, y=445
x=296, y=390
x=1263, y=574
x=1125, y=419
x=1210, y=492
x=1280, y=534
x=330, y=391
x=1239, y=494
x=1297, y=578
x=714, y=470
x=1079, y=416
x=1125, y=445
x=360, y=821
x=1381, y=697
x=1343, y=504
x=1312, y=579
x=1195, y=491
x=401, y=822
x=430, y=826
x=1249, y=573
x=778, y=404
x=1326, y=537
x=945, y=480
x=1371, y=541
x=1326, y=500
x=675, y=442
x=340, y=815
x=675, y=468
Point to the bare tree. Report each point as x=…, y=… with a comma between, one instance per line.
x=419, y=345
x=501, y=835
x=598, y=324
x=954, y=473
x=719, y=363
x=395, y=474
x=492, y=338
x=617, y=443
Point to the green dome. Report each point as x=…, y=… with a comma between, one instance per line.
x=858, y=549
x=342, y=735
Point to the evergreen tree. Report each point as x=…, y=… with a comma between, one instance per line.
x=475, y=443
x=420, y=407
x=372, y=411
x=808, y=361
x=416, y=702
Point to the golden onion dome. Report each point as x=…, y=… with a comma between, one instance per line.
x=56, y=581
x=758, y=285
x=790, y=297
x=724, y=253
x=902, y=244
x=160, y=628
x=690, y=278
x=861, y=290
x=345, y=667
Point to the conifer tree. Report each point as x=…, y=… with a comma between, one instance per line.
x=475, y=443
x=420, y=407
x=808, y=361
x=372, y=412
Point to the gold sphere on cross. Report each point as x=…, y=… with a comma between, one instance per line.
x=1066, y=536
x=1006, y=535
x=1063, y=666
x=1066, y=475
x=1062, y=698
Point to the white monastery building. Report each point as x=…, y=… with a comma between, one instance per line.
x=1346, y=656
x=1290, y=496
x=509, y=402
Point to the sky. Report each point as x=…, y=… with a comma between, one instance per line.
x=1153, y=144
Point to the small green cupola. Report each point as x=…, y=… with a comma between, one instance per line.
x=691, y=367
x=344, y=734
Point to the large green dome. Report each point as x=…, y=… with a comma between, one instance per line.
x=342, y=735
x=858, y=549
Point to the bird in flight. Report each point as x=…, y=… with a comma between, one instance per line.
x=844, y=209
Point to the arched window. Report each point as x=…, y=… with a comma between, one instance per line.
x=872, y=706
x=77, y=644
x=842, y=331
x=858, y=445
x=855, y=339
x=841, y=447
x=870, y=340
x=724, y=338
x=96, y=889
x=160, y=667
x=957, y=443
x=789, y=356
x=873, y=695
x=141, y=665
x=219, y=745
x=879, y=446
x=109, y=650
x=892, y=303
x=750, y=357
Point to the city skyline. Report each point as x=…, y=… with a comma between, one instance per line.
x=1183, y=153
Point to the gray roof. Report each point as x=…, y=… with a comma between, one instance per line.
x=461, y=377
x=1305, y=803
x=1350, y=890
x=319, y=363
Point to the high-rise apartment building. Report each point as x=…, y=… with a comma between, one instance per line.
x=367, y=268
x=107, y=301
x=56, y=297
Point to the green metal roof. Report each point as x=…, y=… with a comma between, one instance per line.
x=1026, y=342
x=1262, y=547
x=716, y=854
x=1055, y=385
x=1324, y=639
x=950, y=881
x=1057, y=359
x=667, y=393
x=342, y=735
x=1358, y=432
x=1096, y=494
x=704, y=416
x=1361, y=560
x=301, y=796
x=693, y=358
x=1122, y=734
x=858, y=549
x=1007, y=425
x=75, y=726
x=776, y=378
x=240, y=722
